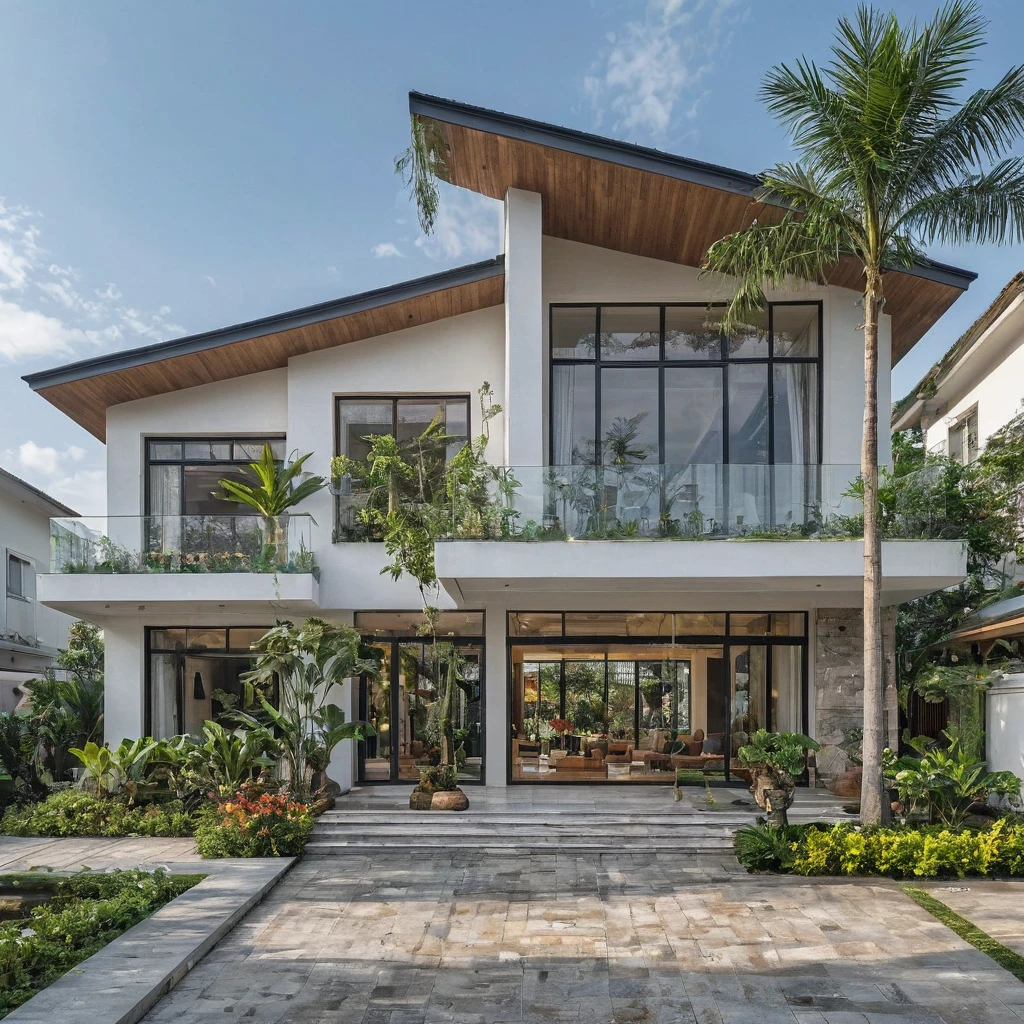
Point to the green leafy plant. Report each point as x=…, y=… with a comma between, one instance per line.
x=251, y=823
x=226, y=758
x=943, y=782
x=85, y=913
x=889, y=159
x=784, y=754
x=308, y=661
x=275, y=492
x=440, y=778
x=73, y=812
x=767, y=848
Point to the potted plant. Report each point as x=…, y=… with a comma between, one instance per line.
x=438, y=790
x=560, y=727
x=775, y=759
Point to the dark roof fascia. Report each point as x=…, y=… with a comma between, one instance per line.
x=628, y=154
x=991, y=615
x=303, y=317
x=42, y=495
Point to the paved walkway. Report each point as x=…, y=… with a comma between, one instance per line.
x=467, y=939
x=18, y=854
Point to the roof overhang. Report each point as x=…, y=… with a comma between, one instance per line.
x=1001, y=620
x=646, y=202
x=18, y=490
x=990, y=333
x=85, y=390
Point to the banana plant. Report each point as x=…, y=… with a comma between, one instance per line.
x=227, y=758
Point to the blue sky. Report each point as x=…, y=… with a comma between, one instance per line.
x=167, y=168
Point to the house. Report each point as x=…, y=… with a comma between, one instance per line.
x=977, y=387
x=678, y=575
x=30, y=632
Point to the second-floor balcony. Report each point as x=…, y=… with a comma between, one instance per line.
x=181, y=564
x=197, y=544
x=644, y=501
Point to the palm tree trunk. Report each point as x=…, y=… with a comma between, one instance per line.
x=872, y=804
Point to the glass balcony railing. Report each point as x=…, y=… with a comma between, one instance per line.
x=691, y=502
x=182, y=544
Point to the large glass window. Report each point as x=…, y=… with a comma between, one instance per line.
x=195, y=675
x=184, y=475
x=405, y=419
x=636, y=696
x=634, y=385
x=403, y=705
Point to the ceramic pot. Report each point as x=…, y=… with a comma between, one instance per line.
x=847, y=785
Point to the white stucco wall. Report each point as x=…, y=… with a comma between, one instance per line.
x=254, y=404
x=992, y=382
x=1004, y=721
x=453, y=356
x=574, y=272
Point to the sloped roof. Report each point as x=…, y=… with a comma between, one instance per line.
x=86, y=389
x=907, y=411
x=642, y=201
x=25, y=492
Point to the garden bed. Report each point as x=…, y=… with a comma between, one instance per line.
x=930, y=851
x=68, y=918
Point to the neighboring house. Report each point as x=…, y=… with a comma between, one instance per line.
x=30, y=632
x=623, y=411
x=977, y=387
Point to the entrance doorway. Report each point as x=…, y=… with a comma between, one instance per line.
x=402, y=706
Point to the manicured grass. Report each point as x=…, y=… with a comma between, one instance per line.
x=1002, y=955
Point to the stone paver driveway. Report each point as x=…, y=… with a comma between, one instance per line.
x=402, y=939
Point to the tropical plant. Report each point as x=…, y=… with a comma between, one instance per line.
x=275, y=492
x=250, y=823
x=890, y=160
x=226, y=759
x=308, y=661
x=112, y=772
x=764, y=847
x=943, y=782
x=775, y=759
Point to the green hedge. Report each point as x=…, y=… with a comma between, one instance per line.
x=75, y=813
x=86, y=912
x=929, y=852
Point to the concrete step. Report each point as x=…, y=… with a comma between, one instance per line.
x=327, y=847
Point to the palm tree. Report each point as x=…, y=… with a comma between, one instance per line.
x=890, y=159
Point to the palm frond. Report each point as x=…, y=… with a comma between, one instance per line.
x=765, y=256
x=422, y=166
x=984, y=207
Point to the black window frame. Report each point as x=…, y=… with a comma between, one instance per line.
x=26, y=566
x=226, y=652
x=726, y=640
x=662, y=363
x=231, y=439
x=394, y=399
x=394, y=645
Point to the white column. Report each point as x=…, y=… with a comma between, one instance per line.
x=524, y=331
x=124, y=670
x=496, y=717
x=343, y=760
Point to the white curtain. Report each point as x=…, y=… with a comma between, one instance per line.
x=163, y=695
x=796, y=424
x=164, y=529
x=786, y=696
x=562, y=402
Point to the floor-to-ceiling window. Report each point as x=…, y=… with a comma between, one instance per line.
x=402, y=706
x=603, y=696
x=194, y=674
x=676, y=418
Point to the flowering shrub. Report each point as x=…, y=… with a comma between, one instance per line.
x=255, y=824
x=560, y=725
x=87, y=911
x=929, y=852
x=74, y=812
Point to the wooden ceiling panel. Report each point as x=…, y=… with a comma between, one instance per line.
x=87, y=399
x=630, y=209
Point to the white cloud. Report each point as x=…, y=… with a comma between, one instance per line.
x=654, y=66
x=212, y=282
x=45, y=460
x=333, y=270
x=42, y=313
x=468, y=227
x=27, y=334
x=385, y=250
x=84, y=490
